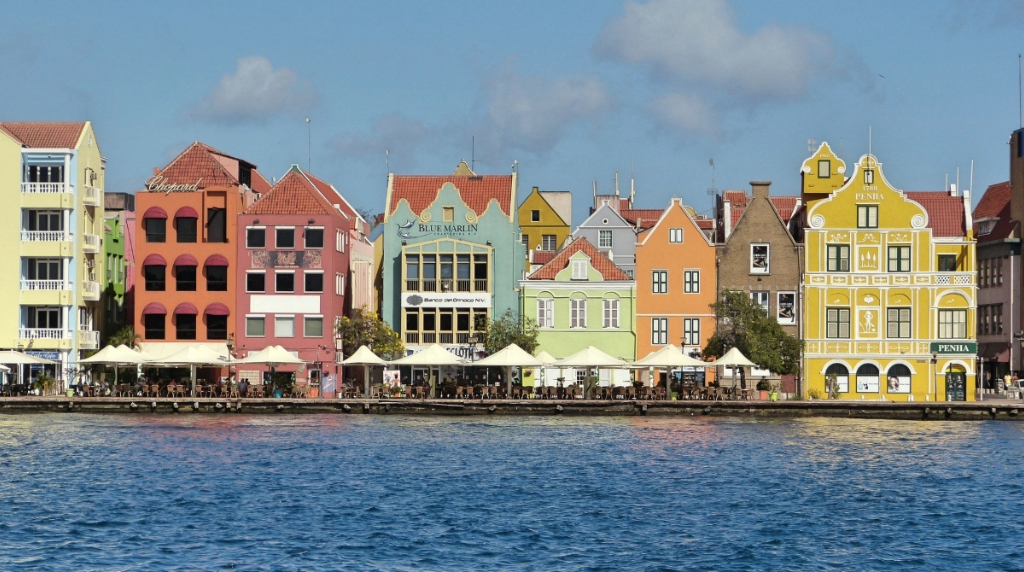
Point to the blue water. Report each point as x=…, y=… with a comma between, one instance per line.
x=190, y=492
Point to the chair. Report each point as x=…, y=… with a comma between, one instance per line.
x=577, y=392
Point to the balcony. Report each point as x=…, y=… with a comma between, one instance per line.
x=412, y=338
x=91, y=290
x=92, y=196
x=446, y=285
x=46, y=188
x=91, y=243
x=44, y=285
x=88, y=340
x=46, y=236
x=43, y=334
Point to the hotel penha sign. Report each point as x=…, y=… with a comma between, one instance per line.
x=160, y=184
x=957, y=348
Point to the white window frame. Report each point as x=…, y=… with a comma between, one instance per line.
x=545, y=312
x=659, y=281
x=314, y=227
x=578, y=313
x=283, y=317
x=276, y=272
x=255, y=317
x=308, y=272
x=553, y=242
x=949, y=324
x=339, y=284
x=659, y=331
x=867, y=215
x=763, y=299
x=313, y=317
x=264, y=273
x=691, y=281
x=767, y=258
x=278, y=246
x=254, y=227
x=675, y=236
x=579, y=269
x=611, y=313
x=691, y=331
x=778, y=308
x=601, y=235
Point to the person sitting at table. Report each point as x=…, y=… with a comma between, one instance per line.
x=243, y=387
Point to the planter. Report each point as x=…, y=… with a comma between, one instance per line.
x=764, y=394
x=773, y=396
x=278, y=394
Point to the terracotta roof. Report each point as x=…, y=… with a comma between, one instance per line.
x=945, y=213
x=476, y=191
x=784, y=206
x=598, y=260
x=196, y=162
x=293, y=194
x=995, y=203
x=332, y=195
x=647, y=217
x=542, y=256
x=44, y=134
x=260, y=184
x=704, y=223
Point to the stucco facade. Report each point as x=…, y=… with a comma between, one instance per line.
x=543, y=227
x=612, y=234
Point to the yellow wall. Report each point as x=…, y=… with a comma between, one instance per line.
x=550, y=222
x=10, y=238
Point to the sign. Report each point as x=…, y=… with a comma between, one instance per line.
x=465, y=352
x=160, y=184
x=45, y=354
x=427, y=300
x=958, y=348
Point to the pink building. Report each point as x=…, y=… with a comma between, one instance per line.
x=293, y=266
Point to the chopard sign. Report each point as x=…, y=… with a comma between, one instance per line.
x=160, y=184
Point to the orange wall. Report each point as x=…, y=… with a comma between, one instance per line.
x=655, y=252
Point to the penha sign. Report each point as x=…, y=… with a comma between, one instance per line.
x=957, y=348
x=160, y=184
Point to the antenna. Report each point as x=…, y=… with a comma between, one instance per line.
x=712, y=191
x=473, y=156
x=972, y=178
x=309, y=145
x=869, y=140
x=616, y=183
x=811, y=143
x=595, y=188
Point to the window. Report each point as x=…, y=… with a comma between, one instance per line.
x=785, y=307
x=842, y=376
x=838, y=257
x=952, y=324
x=284, y=282
x=255, y=237
x=990, y=319
x=526, y=240
x=45, y=269
x=691, y=331
x=216, y=225
x=284, y=326
x=898, y=379
x=837, y=323
x=898, y=323
x=154, y=324
x=759, y=258
x=45, y=318
x=691, y=281
x=604, y=239
x=579, y=269
x=867, y=216
x=339, y=241
x=659, y=281
x=548, y=242
x=659, y=331
x=629, y=272
x=545, y=313
x=867, y=378
x=216, y=327
x=52, y=220
x=186, y=228
x=313, y=327
x=284, y=237
x=947, y=263
x=448, y=214
x=155, y=276
x=314, y=237
x=185, y=326
x=314, y=282
x=581, y=377
x=997, y=271
x=339, y=284
x=185, y=278
x=869, y=176
x=156, y=229
x=611, y=313
x=578, y=313
x=675, y=235
x=255, y=282
x=761, y=298
x=217, y=278
x=534, y=216
x=824, y=169
x=44, y=174
x=255, y=326
x=899, y=259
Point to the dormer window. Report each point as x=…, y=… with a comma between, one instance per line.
x=986, y=227
x=824, y=169
x=448, y=214
x=869, y=176
x=579, y=269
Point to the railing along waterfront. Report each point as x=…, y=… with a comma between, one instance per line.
x=43, y=334
x=46, y=188
x=46, y=236
x=45, y=285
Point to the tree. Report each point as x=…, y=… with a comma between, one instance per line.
x=124, y=336
x=743, y=324
x=510, y=330
x=364, y=328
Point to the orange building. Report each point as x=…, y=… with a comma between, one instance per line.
x=675, y=283
x=185, y=248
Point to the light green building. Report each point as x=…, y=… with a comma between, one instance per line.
x=581, y=298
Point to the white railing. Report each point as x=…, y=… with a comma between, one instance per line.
x=93, y=196
x=895, y=279
x=45, y=285
x=92, y=242
x=43, y=334
x=91, y=290
x=46, y=236
x=88, y=340
x=45, y=188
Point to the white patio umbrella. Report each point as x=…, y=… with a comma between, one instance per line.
x=272, y=356
x=733, y=358
x=119, y=355
x=432, y=355
x=365, y=358
x=669, y=356
x=509, y=357
x=193, y=356
x=20, y=358
x=547, y=359
x=591, y=357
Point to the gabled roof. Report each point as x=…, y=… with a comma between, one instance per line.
x=477, y=191
x=294, y=194
x=609, y=208
x=784, y=206
x=334, y=197
x=646, y=217
x=995, y=204
x=260, y=184
x=662, y=215
x=541, y=256
x=44, y=134
x=739, y=200
x=946, y=215
x=196, y=162
x=600, y=262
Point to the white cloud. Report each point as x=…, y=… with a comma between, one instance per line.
x=255, y=92
x=686, y=112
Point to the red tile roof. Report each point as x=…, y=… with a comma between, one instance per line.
x=704, y=223
x=542, y=256
x=197, y=162
x=647, y=217
x=740, y=200
x=995, y=203
x=260, y=184
x=43, y=134
x=293, y=194
x=333, y=196
x=476, y=191
x=598, y=260
x=784, y=206
x=945, y=213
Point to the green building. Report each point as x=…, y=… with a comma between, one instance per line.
x=114, y=278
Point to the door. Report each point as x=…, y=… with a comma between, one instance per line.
x=956, y=386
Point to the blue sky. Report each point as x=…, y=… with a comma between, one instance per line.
x=572, y=90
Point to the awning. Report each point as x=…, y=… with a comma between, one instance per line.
x=154, y=308
x=155, y=212
x=216, y=260
x=186, y=212
x=996, y=351
x=217, y=309
x=186, y=308
x=154, y=260
x=186, y=260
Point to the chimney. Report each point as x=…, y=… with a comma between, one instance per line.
x=727, y=218
x=760, y=189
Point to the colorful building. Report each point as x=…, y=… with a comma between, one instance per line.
x=675, y=270
x=451, y=256
x=611, y=233
x=52, y=177
x=186, y=252
x=545, y=218
x=121, y=207
x=114, y=282
x=581, y=298
x=999, y=282
x=890, y=287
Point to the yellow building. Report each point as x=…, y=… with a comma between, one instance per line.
x=51, y=183
x=889, y=286
x=545, y=218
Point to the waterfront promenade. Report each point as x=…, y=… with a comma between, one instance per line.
x=991, y=409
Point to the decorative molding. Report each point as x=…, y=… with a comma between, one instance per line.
x=817, y=221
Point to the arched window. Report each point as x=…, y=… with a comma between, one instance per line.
x=898, y=379
x=842, y=376
x=867, y=378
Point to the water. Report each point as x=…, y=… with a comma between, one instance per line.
x=188, y=492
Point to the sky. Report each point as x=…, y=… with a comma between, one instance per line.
x=566, y=92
